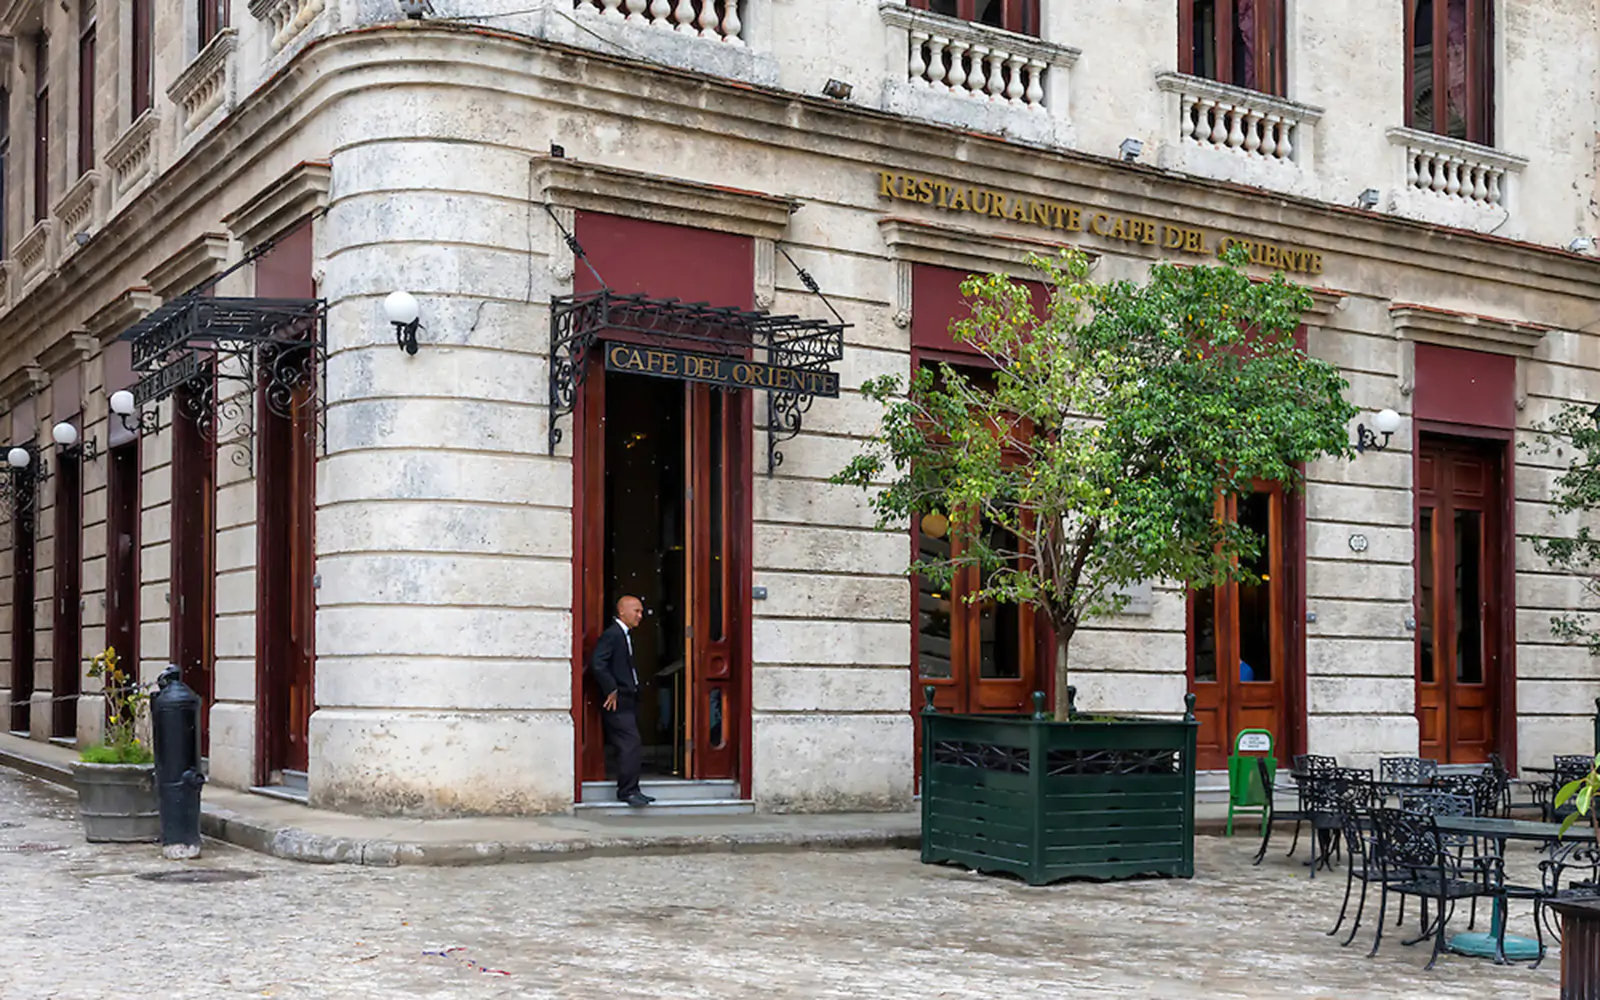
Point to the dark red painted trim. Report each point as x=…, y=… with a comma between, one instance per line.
x=744, y=572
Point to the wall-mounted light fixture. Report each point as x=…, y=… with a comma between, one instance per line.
x=66, y=438
x=1384, y=422
x=23, y=457
x=1368, y=199
x=401, y=310
x=838, y=90
x=123, y=405
x=1581, y=244
x=1130, y=149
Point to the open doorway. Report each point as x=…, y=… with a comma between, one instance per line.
x=663, y=517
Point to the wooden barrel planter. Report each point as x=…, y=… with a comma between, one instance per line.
x=1580, y=949
x=1096, y=797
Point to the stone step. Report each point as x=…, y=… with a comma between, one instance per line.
x=287, y=793
x=664, y=789
x=669, y=807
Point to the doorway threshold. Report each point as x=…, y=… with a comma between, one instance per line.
x=291, y=787
x=674, y=797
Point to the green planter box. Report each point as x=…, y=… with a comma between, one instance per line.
x=1049, y=800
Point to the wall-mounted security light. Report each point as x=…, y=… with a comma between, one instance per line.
x=124, y=406
x=1385, y=423
x=1130, y=149
x=1582, y=244
x=1368, y=199
x=66, y=438
x=838, y=90
x=416, y=10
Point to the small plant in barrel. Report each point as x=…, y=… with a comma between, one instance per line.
x=127, y=703
x=1096, y=454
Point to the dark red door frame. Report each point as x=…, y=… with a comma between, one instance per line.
x=123, y=482
x=66, y=631
x=1501, y=442
x=23, y=583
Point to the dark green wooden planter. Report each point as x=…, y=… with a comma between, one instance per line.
x=1052, y=800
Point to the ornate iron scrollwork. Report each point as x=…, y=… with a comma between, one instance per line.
x=578, y=322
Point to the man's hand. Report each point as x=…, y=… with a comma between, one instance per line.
x=611, y=702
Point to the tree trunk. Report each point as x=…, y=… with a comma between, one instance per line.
x=1063, y=636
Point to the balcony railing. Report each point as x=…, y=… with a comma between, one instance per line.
x=714, y=19
x=985, y=64
x=1218, y=116
x=1454, y=169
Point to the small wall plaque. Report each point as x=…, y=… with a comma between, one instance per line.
x=758, y=593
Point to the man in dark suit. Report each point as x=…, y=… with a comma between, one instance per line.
x=612, y=666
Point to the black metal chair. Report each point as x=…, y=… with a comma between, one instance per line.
x=1427, y=802
x=1581, y=867
x=1413, y=861
x=1568, y=768
x=1328, y=797
x=1407, y=770
x=1274, y=814
x=1483, y=789
x=1361, y=862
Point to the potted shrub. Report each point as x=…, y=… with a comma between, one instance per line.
x=116, y=777
x=1112, y=429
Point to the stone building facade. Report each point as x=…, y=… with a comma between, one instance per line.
x=382, y=569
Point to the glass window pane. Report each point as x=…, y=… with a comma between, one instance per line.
x=933, y=603
x=1469, y=617
x=1255, y=599
x=1422, y=67
x=999, y=625
x=1244, y=44
x=1455, y=53
x=1205, y=39
x=1425, y=596
x=1205, y=635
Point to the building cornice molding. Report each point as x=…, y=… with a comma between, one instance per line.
x=27, y=380
x=76, y=347
x=1428, y=325
x=921, y=242
x=194, y=262
x=282, y=204
x=122, y=312
x=577, y=185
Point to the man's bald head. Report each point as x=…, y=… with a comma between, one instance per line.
x=630, y=611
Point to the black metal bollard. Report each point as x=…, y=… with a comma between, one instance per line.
x=175, y=727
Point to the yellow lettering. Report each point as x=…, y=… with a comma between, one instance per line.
x=885, y=184
x=997, y=205
x=1019, y=211
x=1074, y=220
x=619, y=356
x=925, y=192
x=1269, y=255
x=944, y=194
x=1149, y=237
x=1119, y=231
x=1316, y=263
x=1196, y=241
x=1172, y=238
x=959, y=202
x=1097, y=224
x=1039, y=213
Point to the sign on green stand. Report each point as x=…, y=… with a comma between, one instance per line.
x=1246, y=796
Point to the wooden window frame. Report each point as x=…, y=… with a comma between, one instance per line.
x=1270, y=43
x=86, y=68
x=1479, y=71
x=1020, y=16
x=142, y=83
x=211, y=16
x=41, y=127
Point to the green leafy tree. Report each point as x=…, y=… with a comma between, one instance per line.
x=1096, y=455
x=1574, y=434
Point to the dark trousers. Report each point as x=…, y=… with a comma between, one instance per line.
x=622, y=735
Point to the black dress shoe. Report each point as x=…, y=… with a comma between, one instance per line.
x=639, y=801
x=647, y=798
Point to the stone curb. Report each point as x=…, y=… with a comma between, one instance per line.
x=294, y=844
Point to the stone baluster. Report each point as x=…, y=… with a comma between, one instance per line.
x=936, y=66
x=1204, y=108
x=1411, y=167
x=1235, y=131
x=1253, y=127
x=956, y=79
x=1219, y=127
x=997, y=76
x=1480, y=190
x=918, y=67
x=1453, y=173
x=660, y=11
x=1186, y=111
x=1285, y=133
x=636, y=10
x=731, y=25
x=1035, y=91
x=1436, y=172
x=709, y=21
x=976, y=81
x=683, y=17
x=1495, y=193
x=1014, y=85
x=611, y=8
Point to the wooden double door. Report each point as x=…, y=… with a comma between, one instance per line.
x=1239, y=637
x=663, y=505
x=1461, y=542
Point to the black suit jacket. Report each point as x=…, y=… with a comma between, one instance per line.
x=612, y=664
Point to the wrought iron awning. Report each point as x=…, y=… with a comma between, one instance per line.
x=225, y=350
x=577, y=322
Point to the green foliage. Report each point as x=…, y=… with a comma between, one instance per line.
x=1575, y=430
x=1113, y=423
x=1584, y=789
x=126, y=704
x=120, y=753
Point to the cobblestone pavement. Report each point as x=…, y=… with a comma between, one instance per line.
x=78, y=922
